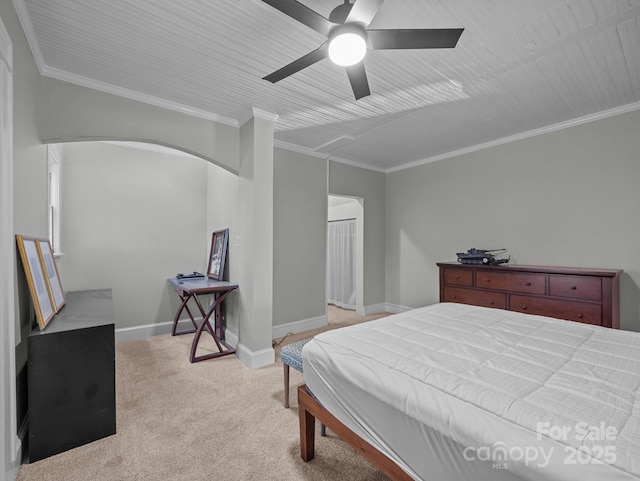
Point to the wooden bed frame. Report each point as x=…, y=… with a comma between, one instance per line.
x=309, y=410
x=551, y=291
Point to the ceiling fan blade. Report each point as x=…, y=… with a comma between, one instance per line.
x=416, y=38
x=297, y=65
x=302, y=14
x=358, y=78
x=363, y=11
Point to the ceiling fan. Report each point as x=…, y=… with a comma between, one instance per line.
x=348, y=38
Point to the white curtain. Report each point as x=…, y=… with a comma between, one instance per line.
x=341, y=264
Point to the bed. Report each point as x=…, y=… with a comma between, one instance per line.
x=463, y=392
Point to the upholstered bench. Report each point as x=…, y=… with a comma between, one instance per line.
x=291, y=356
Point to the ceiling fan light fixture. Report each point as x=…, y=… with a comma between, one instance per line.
x=347, y=45
x=349, y=38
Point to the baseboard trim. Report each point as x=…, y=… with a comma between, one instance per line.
x=396, y=309
x=231, y=338
x=139, y=333
x=145, y=331
x=374, y=309
x=20, y=438
x=299, y=326
x=16, y=462
x=247, y=356
x=254, y=360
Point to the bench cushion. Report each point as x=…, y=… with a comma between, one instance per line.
x=291, y=354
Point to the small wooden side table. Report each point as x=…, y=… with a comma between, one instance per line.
x=191, y=288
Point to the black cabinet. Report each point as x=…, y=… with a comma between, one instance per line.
x=71, y=376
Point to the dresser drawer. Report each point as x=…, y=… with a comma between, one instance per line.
x=514, y=282
x=585, y=295
x=586, y=312
x=475, y=298
x=458, y=277
x=576, y=287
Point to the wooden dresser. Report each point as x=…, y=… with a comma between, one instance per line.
x=577, y=294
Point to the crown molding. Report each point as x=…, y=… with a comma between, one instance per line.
x=475, y=148
x=525, y=135
x=264, y=115
x=299, y=149
x=336, y=143
x=29, y=33
x=52, y=72
x=323, y=155
x=256, y=113
x=6, y=47
x=360, y=165
x=137, y=96
x=47, y=71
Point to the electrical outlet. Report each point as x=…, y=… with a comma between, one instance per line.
x=237, y=241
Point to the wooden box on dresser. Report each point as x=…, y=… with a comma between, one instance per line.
x=578, y=294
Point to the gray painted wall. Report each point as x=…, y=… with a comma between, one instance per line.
x=300, y=237
x=565, y=198
x=69, y=113
x=131, y=219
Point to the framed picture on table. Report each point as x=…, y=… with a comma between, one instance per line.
x=34, y=272
x=218, y=254
x=50, y=271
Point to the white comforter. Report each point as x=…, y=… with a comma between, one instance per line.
x=527, y=396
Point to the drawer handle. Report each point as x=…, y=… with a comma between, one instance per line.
x=491, y=303
x=580, y=316
x=488, y=280
x=524, y=308
x=527, y=283
x=573, y=288
x=457, y=277
x=454, y=296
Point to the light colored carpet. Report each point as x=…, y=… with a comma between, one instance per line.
x=210, y=420
x=337, y=318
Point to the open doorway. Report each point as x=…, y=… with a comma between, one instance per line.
x=345, y=246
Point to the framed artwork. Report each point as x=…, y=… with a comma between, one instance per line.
x=56, y=294
x=218, y=254
x=28, y=247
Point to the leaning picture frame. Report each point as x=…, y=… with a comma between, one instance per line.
x=218, y=255
x=34, y=272
x=56, y=294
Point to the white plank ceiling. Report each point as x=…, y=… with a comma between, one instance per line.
x=520, y=66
